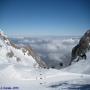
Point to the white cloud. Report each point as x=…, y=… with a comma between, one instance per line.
x=52, y=50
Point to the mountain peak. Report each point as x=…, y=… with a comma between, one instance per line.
x=18, y=54
x=2, y=33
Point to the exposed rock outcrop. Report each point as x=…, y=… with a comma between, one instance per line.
x=81, y=48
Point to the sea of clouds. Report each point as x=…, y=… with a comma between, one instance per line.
x=53, y=50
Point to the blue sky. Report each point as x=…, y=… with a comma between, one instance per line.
x=45, y=17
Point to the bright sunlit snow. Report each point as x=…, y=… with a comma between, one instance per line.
x=53, y=50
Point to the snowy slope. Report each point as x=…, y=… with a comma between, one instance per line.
x=82, y=66
x=10, y=53
x=18, y=67
x=42, y=79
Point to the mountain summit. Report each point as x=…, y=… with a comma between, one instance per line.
x=11, y=53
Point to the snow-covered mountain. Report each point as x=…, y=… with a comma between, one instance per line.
x=11, y=53
x=18, y=62
x=56, y=50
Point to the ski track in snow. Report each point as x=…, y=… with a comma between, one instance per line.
x=41, y=78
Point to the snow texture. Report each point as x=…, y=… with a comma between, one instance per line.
x=54, y=50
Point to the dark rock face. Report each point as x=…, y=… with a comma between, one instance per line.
x=81, y=48
x=85, y=40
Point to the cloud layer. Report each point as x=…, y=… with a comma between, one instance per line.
x=53, y=50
